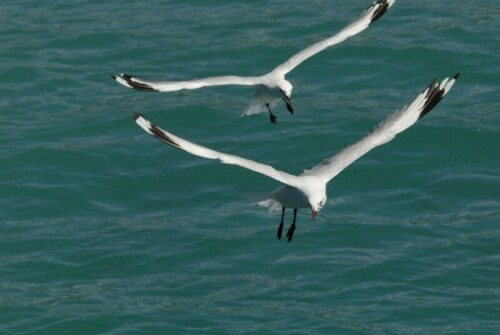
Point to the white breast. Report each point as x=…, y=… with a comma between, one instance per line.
x=291, y=197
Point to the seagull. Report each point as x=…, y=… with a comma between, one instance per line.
x=270, y=87
x=308, y=190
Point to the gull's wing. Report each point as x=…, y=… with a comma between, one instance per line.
x=385, y=131
x=371, y=14
x=204, y=152
x=170, y=86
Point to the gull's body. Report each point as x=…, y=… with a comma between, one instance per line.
x=308, y=190
x=271, y=87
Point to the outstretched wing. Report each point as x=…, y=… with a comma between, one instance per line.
x=204, y=152
x=385, y=131
x=370, y=15
x=170, y=86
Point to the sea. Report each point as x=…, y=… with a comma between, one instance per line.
x=106, y=230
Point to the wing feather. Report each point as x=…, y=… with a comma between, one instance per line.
x=385, y=131
x=369, y=15
x=204, y=152
x=170, y=86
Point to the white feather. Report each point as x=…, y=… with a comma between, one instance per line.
x=272, y=86
x=309, y=188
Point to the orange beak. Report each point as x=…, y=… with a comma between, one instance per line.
x=314, y=214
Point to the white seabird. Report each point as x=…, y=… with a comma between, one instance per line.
x=270, y=87
x=308, y=190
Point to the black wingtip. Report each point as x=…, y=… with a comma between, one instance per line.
x=135, y=116
x=156, y=132
x=136, y=85
x=127, y=77
x=380, y=11
x=434, y=95
x=113, y=76
x=163, y=136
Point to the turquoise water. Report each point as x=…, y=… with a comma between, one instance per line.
x=108, y=231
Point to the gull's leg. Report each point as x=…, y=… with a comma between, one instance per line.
x=272, y=117
x=280, y=228
x=291, y=230
x=288, y=105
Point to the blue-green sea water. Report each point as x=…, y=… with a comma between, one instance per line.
x=106, y=230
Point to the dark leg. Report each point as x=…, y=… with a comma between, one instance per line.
x=288, y=105
x=291, y=230
x=280, y=228
x=272, y=117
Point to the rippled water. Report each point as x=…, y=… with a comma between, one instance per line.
x=108, y=231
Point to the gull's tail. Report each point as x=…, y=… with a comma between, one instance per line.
x=254, y=107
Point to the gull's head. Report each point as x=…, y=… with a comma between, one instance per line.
x=316, y=204
x=286, y=88
x=314, y=190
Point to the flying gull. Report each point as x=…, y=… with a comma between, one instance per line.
x=308, y=190
x=270, y=87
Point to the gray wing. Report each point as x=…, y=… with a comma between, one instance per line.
x=385, y=131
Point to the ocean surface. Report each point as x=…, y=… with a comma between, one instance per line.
x=106, y=230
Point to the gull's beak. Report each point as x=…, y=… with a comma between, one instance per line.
x=314, y=214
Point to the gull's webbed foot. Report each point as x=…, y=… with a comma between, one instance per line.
x=280, y=231
x=272, y=117
x=280, y=227
x=290, y=232
x=288, y=105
